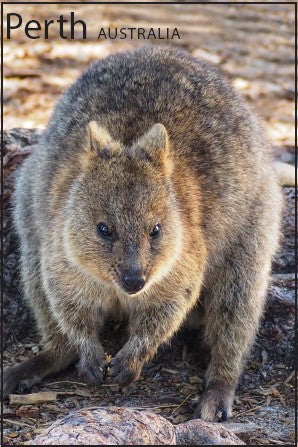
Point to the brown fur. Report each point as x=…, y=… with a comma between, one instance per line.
x=147, y=137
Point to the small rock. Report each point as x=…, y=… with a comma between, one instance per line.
x=35, y=349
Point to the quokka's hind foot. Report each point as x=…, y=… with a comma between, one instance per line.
x=23, y=376
x=215, y=403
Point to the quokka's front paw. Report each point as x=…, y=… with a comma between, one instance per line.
x=124, y=370
x=92, y=370
x=215, y=404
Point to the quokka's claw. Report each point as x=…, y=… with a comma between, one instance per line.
x=122, y=372
x=215, y=404
x=92, y=371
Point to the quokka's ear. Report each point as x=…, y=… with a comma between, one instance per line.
x=100, y=142
x=153, y=146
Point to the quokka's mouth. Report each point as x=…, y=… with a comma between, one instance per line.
x=132, y=291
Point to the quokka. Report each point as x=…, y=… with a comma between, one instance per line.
x=151, y=194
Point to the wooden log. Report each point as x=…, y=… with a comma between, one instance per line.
x=127, y=426
x=32, y=398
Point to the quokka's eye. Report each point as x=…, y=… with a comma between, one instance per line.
x=155, y=231
x=103, y=230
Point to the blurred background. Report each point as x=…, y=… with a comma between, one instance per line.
x=252, y=44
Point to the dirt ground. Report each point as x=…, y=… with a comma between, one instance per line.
x=254, y=46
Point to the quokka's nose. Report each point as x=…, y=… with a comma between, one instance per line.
x=132, y=282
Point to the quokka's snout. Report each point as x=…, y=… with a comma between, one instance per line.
x=132, y=277
x=133, y=280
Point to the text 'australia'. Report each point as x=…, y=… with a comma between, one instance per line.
x=139, y=33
